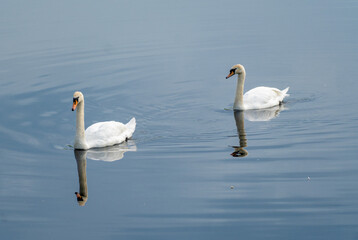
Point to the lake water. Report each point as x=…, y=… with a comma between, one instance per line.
x=194, y=168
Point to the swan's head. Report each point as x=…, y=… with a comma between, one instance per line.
x=77, y=98
x=236, y=69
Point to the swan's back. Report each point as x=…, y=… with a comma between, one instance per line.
x=264, y=97
x=103, y=134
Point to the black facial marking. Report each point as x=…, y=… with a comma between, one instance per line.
x=75, y=99
x=79, y=198
x=232, y=70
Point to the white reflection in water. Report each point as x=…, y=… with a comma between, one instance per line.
x=251, y=115
x=108, y=154
x=266, y=114
x=113, y=153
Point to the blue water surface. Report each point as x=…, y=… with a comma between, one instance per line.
x=164, y=62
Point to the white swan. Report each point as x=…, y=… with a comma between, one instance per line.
x=256, y=98
x=101, y=134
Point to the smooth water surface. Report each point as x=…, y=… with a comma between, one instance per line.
x=194, y=168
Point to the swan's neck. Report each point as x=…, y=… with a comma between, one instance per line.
x=80, y=140
x=239, y=98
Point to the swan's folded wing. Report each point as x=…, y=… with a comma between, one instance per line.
x=263, y=97
x=109, y=133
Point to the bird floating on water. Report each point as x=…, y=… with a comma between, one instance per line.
x=256, y=98
x=101, y=134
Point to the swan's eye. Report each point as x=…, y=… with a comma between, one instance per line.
x=75, y=100
x=232, y=71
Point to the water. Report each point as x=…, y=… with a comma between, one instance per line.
x=165, y=63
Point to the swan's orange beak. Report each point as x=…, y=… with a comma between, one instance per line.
x=75, y=102
x=230, y=74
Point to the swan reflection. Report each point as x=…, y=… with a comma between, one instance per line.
x=108, y=154
x=261, y=115
x=113, y=153
x=82, y=195
x=251, y=115
x=239, y=150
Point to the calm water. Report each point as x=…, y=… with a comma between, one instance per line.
x=164, y=62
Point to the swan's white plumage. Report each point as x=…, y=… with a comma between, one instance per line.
x=264, y=97
x=256, y=98
x=101, y=134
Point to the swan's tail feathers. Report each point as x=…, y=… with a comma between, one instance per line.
x=284, y=92
x=131, y=125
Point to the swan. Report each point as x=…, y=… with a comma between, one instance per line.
x=256, y=98
x=101, y=134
